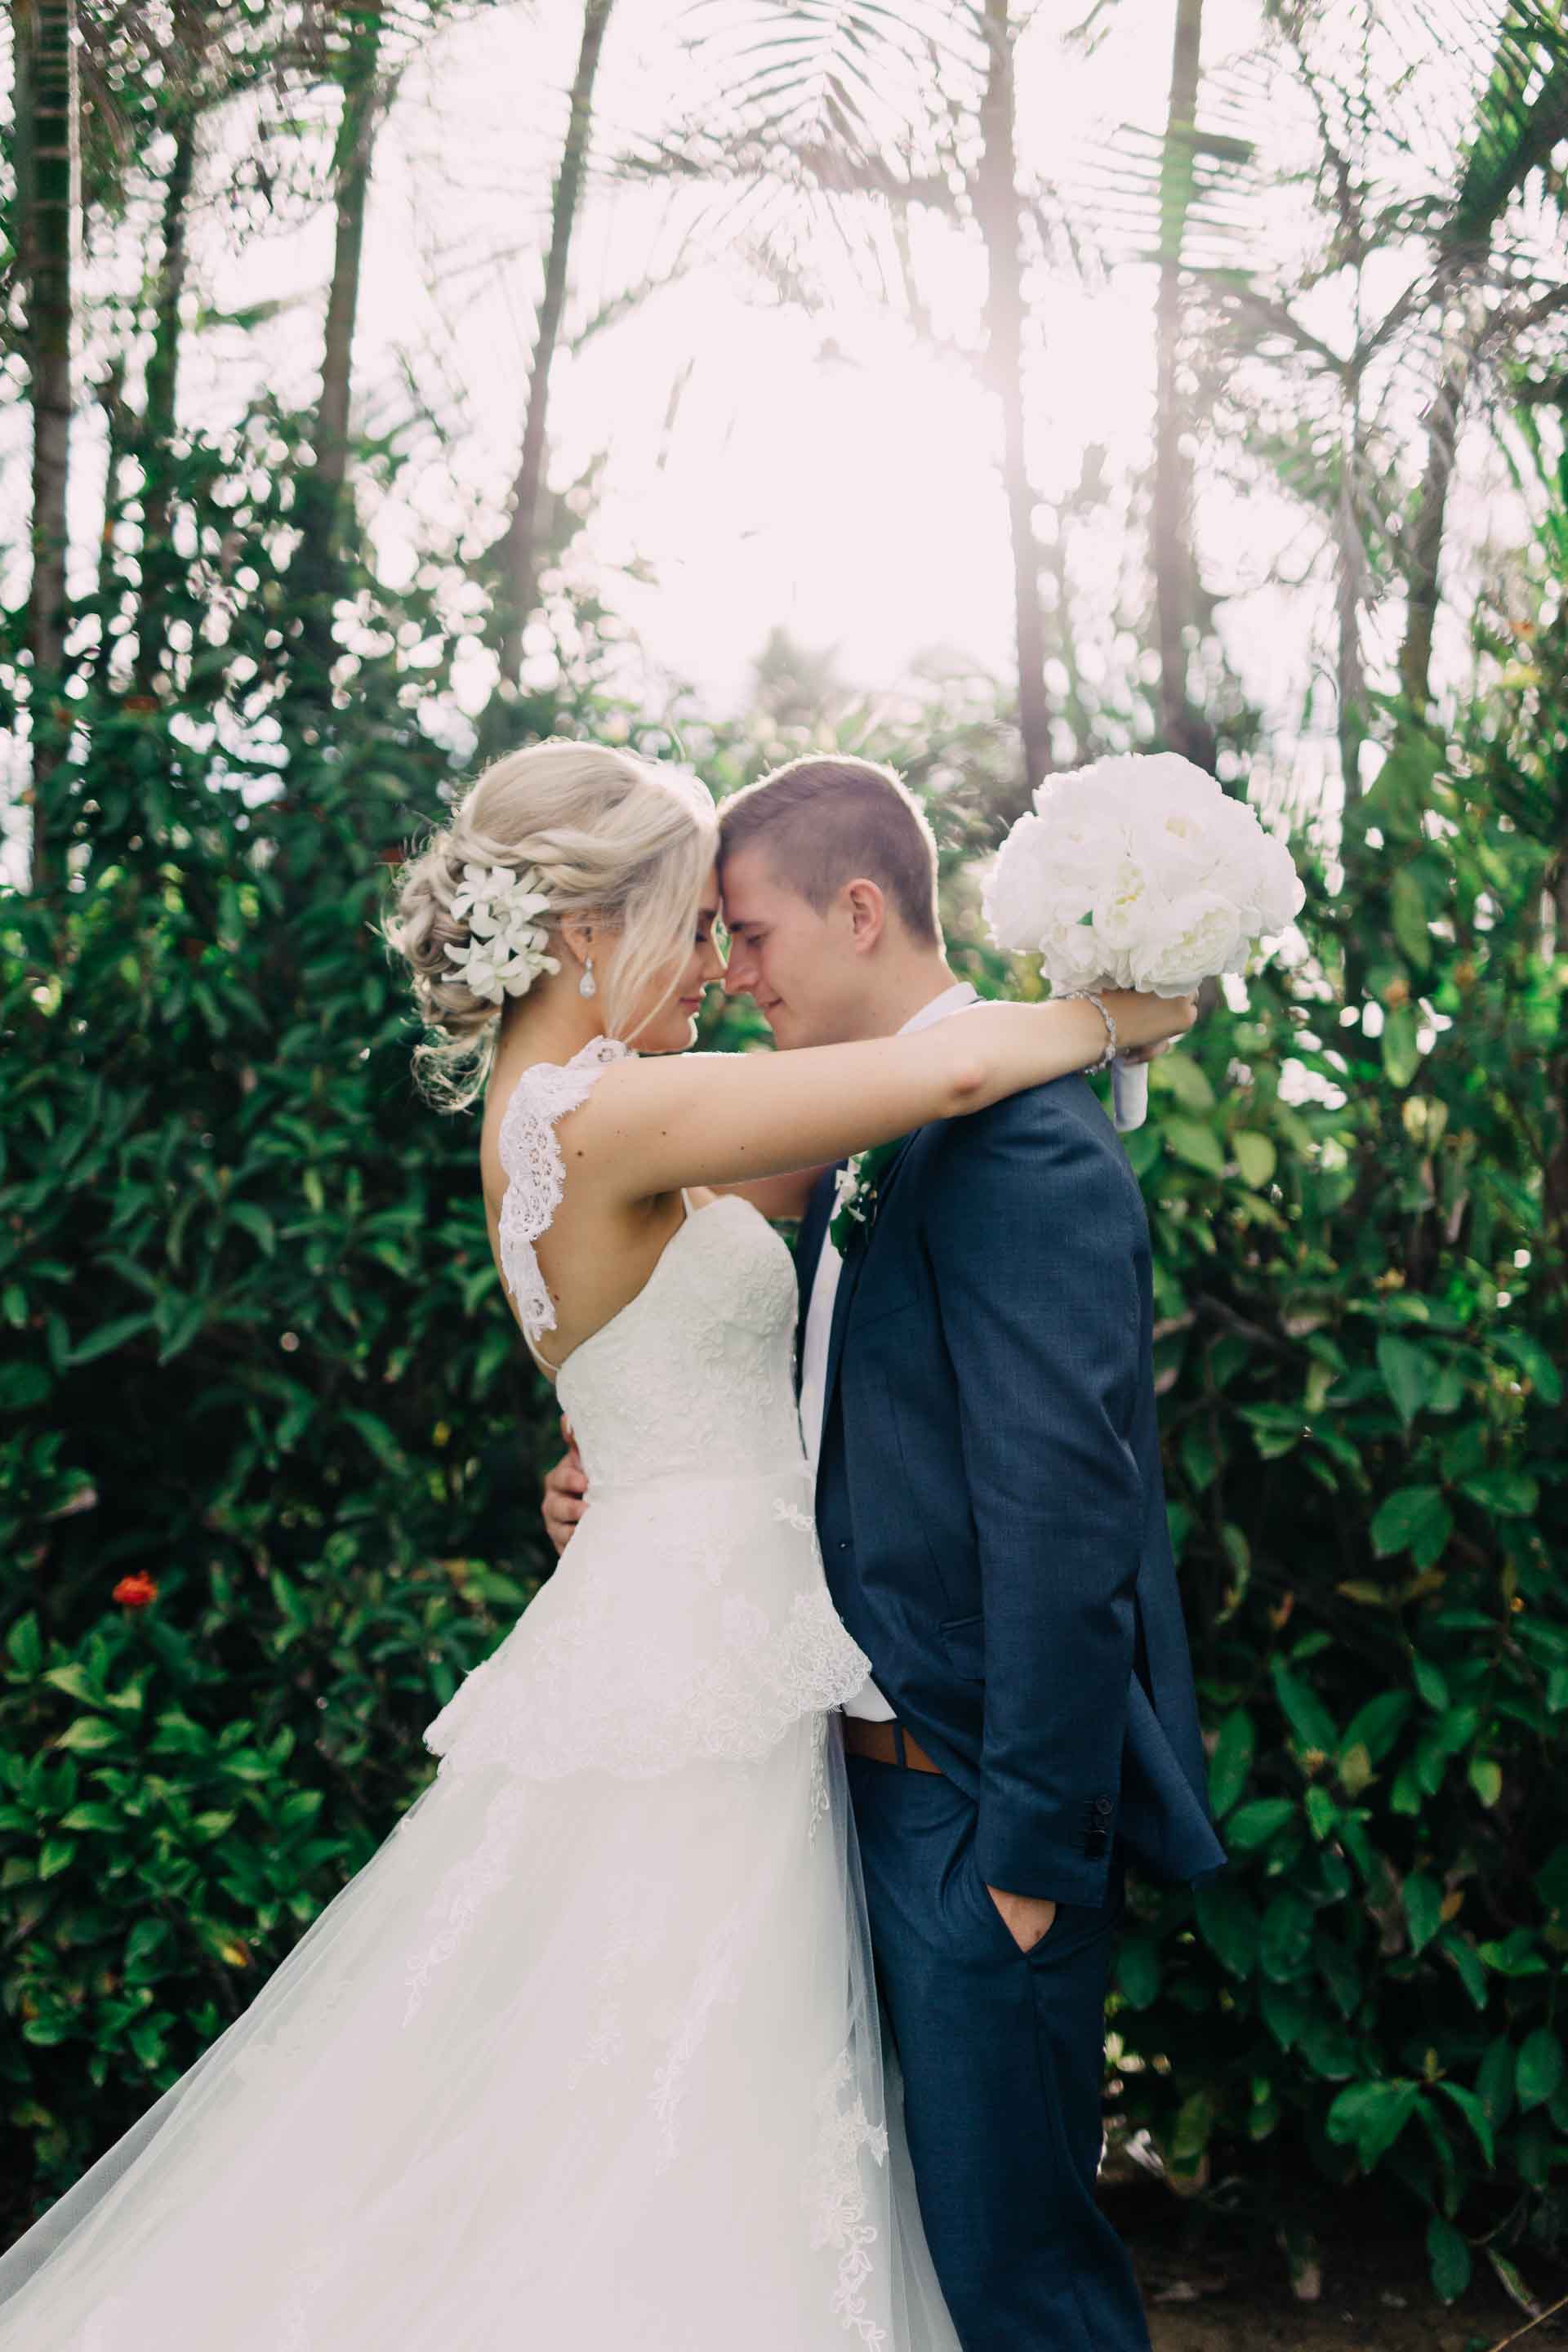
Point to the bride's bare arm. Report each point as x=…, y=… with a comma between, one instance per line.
x=729, y=1119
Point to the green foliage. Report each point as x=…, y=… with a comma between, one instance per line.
x=253, y=1350
x=1361, y=1403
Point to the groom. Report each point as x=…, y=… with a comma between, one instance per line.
x=976, y=1389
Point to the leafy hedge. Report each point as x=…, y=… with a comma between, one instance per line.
x=270, y=1487
x=1361, y=1358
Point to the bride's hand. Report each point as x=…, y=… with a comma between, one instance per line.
x=1147, y=1025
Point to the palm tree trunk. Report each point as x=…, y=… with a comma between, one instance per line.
x=160, y=413
x=1174, y=560
x=316, y=565
x=1424, y=545
x=46, y=115
x=516, y=554
x=998, y=213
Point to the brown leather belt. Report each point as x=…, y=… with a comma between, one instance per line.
x=885, y=1741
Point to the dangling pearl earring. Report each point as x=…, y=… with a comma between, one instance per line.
x=587, y=985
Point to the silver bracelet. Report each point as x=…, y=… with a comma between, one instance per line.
x=1089, y=996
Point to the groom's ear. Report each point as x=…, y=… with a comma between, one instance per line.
x=865, y=907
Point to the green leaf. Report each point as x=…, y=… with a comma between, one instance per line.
x=1231, y=1762
x=1449, y=2257
x=57, y=1854
x=1538, y=2075
x=1304, y=1710
x=1138, y=1971
x=1377, y=1725
x=94, y=1817
x=1551, y=1879
x=1533, y=1359
x=1412, y=1519
x=1401, y=1054
x=22, y=1385
x=1423, y=1909
x=1467, y=1964
x=1369, y=2116
x=1287, y=2010
x=1407, y=911
x=255, y=1222
x=1285, y=1945
x=109, y=1335
x=1199, y=1146
x=1474, y=2111
x=1494, y=2081
x=1254, y=1824
x=24, y=1644
x=1229, y=1924
x=1511, y=1494
x=1486, y=1780
x=1177, y=1074
x=88, y=1734
x=1508, y=2272
x=1409, y=1373
x=1255, y=1157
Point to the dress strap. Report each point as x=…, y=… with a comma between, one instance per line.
x=536, y=1174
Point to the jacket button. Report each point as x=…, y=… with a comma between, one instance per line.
x=843, y=1544
x=1102, y=1805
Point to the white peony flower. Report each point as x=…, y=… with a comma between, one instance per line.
x=1189, y=939
x=1017, y=900
x=1076, y=956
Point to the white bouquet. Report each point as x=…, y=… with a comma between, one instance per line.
x=1139, y=873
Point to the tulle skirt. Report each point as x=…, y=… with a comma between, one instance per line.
x=573, y=2062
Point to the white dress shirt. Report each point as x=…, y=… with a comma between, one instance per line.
x=868, y=1700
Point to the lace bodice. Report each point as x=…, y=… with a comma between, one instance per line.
x=694, y=1374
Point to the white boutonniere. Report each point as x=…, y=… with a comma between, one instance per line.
x=857, y=1189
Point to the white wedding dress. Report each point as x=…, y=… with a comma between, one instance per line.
x=585, y=2058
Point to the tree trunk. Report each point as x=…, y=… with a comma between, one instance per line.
x=160, y=413
x=1424, y=545
x=46, y=118
x=516, y=554
x=1184, y=730
x=999, y=216
x=317, y=565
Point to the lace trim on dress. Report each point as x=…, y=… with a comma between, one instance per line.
x=836, y=2195
x=535, y=1171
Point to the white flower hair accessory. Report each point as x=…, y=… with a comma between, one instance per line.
x=505, y=950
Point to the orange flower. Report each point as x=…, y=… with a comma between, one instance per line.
x=136, y=1590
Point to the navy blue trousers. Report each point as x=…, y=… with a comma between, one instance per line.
x=1003, y=2059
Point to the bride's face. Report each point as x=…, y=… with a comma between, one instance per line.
x=673, y=1026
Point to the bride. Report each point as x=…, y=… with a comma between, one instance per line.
x=586, y=2055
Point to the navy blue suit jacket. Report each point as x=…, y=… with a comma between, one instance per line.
x=989, y=1493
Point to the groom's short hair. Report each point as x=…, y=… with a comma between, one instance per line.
x=826, y=820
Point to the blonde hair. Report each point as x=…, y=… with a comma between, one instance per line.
x=610, y=835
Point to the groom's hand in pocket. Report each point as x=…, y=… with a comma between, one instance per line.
x=565, y=1493
x=1026, y=1918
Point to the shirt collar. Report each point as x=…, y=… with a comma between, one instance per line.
x=951, y=1000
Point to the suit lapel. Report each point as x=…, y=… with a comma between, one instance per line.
x=847, y=1281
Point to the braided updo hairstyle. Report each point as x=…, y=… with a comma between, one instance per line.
x=611, y=836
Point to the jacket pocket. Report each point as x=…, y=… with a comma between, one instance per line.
x=964, y=1640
